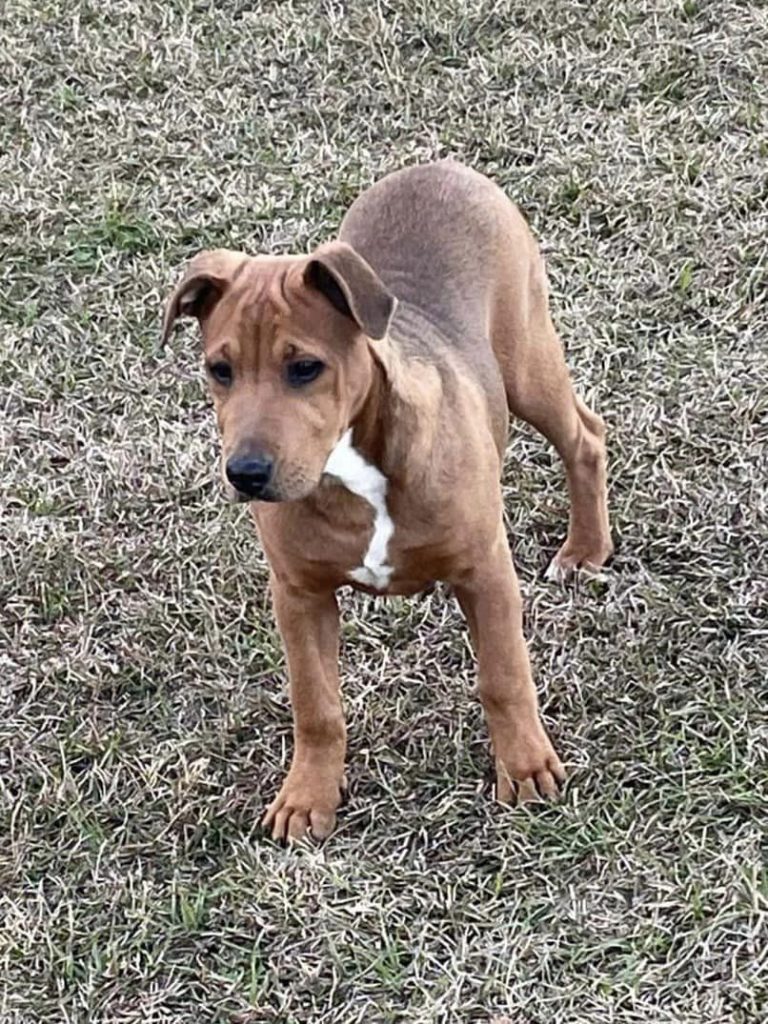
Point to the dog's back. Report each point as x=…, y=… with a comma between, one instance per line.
x=459, y=256
x=434, y=233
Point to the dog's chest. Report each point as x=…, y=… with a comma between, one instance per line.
x=360, y=477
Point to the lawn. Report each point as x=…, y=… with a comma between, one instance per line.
x=144, y=721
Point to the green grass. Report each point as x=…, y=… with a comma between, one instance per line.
x=144, y=718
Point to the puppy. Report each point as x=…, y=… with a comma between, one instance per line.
x=362, y=394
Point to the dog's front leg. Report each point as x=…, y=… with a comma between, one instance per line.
x=527, y=766
x=311, y=792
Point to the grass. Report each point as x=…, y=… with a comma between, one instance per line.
x=144, y=719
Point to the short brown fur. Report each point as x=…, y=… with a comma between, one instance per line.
x=440, y=267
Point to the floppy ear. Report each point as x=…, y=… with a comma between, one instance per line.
x=352, y=287
x=201, y=287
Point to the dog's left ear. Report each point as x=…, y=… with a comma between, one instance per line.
x=204, y=282
x=352, y=287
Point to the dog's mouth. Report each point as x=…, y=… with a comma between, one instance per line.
x=240, y=499
x=269, y=494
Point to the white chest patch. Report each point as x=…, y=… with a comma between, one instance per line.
x=360, y=477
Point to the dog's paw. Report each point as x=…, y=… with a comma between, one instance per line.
x=527, y=767
x=571, y=558
x=306, y=804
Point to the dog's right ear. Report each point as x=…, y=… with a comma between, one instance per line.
x=204, y=282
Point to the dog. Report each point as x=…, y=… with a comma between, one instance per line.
x=362, y=395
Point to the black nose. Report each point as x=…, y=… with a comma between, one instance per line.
x=250, y=474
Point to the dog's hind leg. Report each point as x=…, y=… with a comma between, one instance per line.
x=539, y=391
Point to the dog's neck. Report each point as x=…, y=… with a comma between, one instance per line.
x=386, y=447
x=369, y=421
x=395, y=426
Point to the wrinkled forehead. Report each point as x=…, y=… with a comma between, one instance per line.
x=268, y=308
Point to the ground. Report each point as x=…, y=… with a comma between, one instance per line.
x=144, y=720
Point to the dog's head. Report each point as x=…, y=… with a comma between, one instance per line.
x=287, y=357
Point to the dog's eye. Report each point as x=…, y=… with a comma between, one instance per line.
x=221, y=372
x=303, y=371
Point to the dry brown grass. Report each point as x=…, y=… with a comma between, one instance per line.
x=144, y=718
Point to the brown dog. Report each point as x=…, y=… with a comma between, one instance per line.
x=362, y=396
